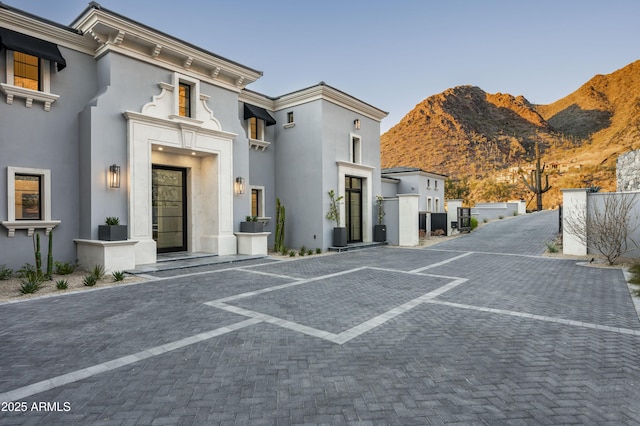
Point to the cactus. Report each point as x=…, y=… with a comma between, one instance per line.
x=50, y=256
x=535, y=183
x=36, y=239
x=280, y=217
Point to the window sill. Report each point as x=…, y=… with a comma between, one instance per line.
x=30, y=226
x=258, y=144
x=289, y=125
x=28, y=95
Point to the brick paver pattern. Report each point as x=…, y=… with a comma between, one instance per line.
x=481, y=329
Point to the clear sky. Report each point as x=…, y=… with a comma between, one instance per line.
x=395, y=53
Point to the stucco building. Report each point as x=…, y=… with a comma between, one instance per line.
x=108, y=117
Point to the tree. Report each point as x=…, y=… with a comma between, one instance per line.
x=606, y=227
x=457, y=189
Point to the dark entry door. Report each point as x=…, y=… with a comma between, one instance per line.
x=169, y=201
x=353, y=202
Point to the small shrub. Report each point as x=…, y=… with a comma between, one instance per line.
x=112, y=221
x=318, y=251
x=500, y=217
x=474, y=223
x=26, y=270
x=309, y=252
x=284, y=251
x=5, y=273
x=90, y=280
x=31, y=282
x=62, y=284
x=515, y=213
x=118, y=275
x=635, y=273
x=485, y=220
x=64, y=268
x=292, y=253
x=552, y=247
x=30, y=286
x=302, y=252
x=98, y=272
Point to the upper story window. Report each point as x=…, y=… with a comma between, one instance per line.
x=184, y=99
x=256, y=128
x=290, y=117
x=355, y=151
x=28, y=68
x=26, y=71
x=435, y=183
x=257, y=120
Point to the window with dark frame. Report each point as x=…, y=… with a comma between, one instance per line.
x=255, y=202
x=290, y=117
x=28, y=197
x=184, y=99
x=26, y=71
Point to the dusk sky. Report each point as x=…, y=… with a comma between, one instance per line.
x=395, y=53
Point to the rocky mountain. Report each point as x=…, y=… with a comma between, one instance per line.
x=465, y=132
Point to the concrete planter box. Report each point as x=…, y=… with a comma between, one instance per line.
x=380, y=233
x=251, y=227
x=252, y=243
x=112, y=232
x=340, y=237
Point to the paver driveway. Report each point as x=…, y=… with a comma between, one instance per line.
x=475, y=330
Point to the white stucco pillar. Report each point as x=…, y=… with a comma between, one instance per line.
x=408, y=206
x=452, y=213
x=574, y=205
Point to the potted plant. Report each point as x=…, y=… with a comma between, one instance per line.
x=251, y=225
x=380, y=230
x=339, y=232
x=112, y=230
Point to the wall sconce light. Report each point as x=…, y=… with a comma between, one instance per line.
x=114, y=176
x=356, y=123
x=239, y=185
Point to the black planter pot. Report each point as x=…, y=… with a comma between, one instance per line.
x=340, y=237
x=380, y=233
x=251, y=227
x=112, y=232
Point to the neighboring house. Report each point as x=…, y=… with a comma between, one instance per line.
x=109, y=117
x=410, y=180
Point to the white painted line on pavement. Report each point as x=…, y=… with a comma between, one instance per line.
x=74, y=376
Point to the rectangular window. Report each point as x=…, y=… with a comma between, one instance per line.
x=435, y=182
x=290, y=117
x=256, y=198
x=437, y=210
x=184, y=99
x=28, y=197
x=355, y=150
x=26, y=71
x=257, y=201
x=428, y=204
x=256, y=128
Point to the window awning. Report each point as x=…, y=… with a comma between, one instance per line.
x=257, y=112
x=12, y=40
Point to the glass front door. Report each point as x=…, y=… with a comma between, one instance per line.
x=169, y=202
x=353, y=204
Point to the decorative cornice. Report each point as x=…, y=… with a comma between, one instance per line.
x=130, y=38
x=177, y=124
x=328, y=93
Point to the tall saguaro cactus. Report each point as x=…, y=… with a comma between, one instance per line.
x=535, y=182
x=280, y=217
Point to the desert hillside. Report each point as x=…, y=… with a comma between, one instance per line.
x=488, y=139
